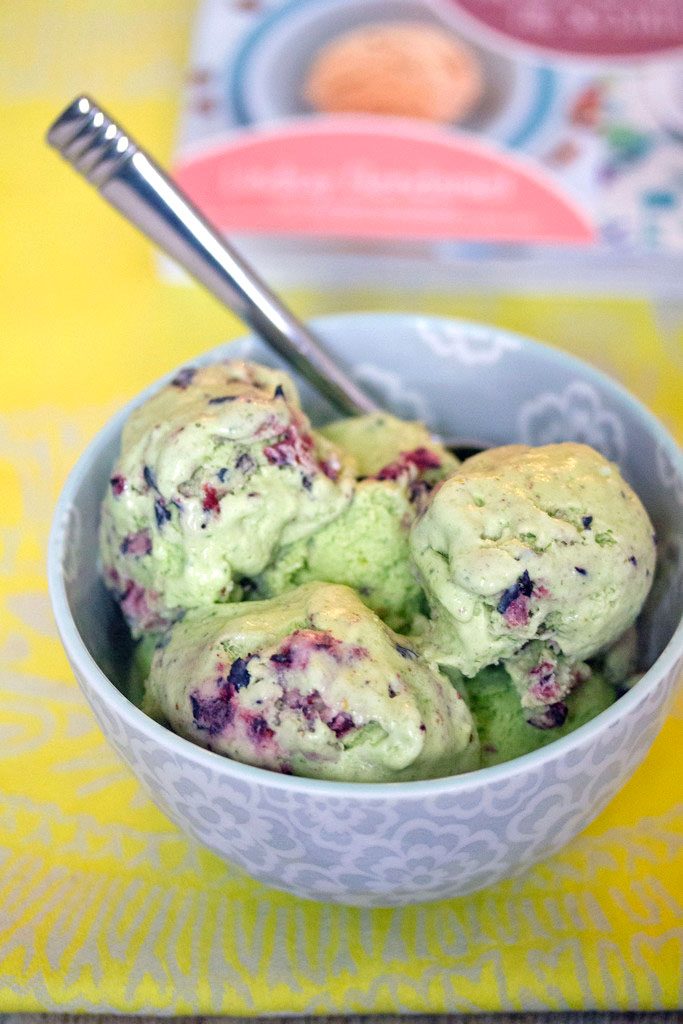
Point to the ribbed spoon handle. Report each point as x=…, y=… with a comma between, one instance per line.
x=131, y=181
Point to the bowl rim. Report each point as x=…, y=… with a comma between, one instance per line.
x=84, y=665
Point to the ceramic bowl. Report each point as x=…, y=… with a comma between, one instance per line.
x=392, y=844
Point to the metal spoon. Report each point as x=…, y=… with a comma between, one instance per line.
x=133, y=183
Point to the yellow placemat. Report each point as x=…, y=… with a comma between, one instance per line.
x=103, y=903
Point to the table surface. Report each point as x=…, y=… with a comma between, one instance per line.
x=104, y=905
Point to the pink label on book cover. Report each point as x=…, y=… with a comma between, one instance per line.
x=359, y=179
x=589, y=28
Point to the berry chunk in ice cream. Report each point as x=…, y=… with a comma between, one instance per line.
x=542, y=676
x=506, y=732
x=403, y=68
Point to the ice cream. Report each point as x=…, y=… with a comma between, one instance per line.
x=311, y=683
x=366, y=547
x=504, y=730
x=386, y=446
x=545, y=544
x=542, y=676
x=407, y=69
x=256, y=558
x=218, y=472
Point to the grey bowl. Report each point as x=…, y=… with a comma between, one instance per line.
x=392, y=844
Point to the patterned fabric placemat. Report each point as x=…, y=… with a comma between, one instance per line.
x=657, y=1017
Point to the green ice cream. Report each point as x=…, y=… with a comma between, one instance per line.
x=505, y=732
x=511, y=569
x=366, y=547
x=311, y=683
x=218, y=473
x=380, y=442
x=546, y=544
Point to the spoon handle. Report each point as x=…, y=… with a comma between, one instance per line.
x=132, y=182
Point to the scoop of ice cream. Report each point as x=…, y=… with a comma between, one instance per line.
x=218, y=472
x=542, y=676
x=505, y=732
x=407, y=69
x=366, y=547
x=388, y=447
x=311, y=683
x=522, y=544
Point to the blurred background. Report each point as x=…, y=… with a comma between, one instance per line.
x=90, y=313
